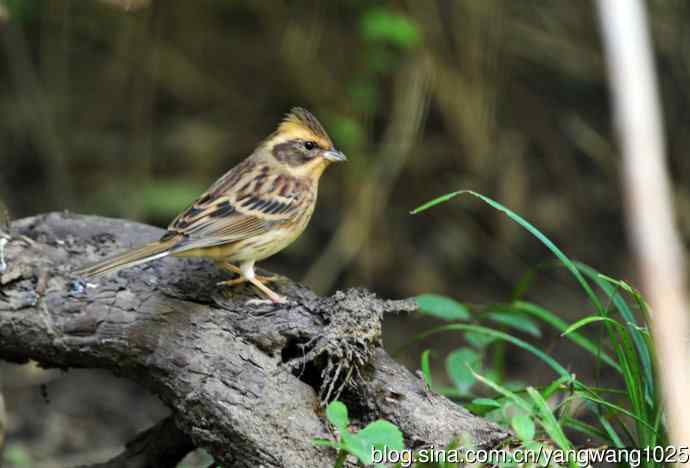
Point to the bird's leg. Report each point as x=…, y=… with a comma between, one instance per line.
x=272, y=295
x=246, y=272
x=232, y=282
x=230, y=267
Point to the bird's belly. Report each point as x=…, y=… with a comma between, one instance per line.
x=261, y=247
x=255, y=248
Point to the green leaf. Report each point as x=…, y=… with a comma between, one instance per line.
x=459, y=365
x=515, y=320
x=16, y=455
x=336, y=412
x=382, y=25
x=481, y=406
x=376, y=435
x=426, y=368
x=356, y=446
x=381, y=434
x=523, y=427
x=479, y=340
x=442, y=307
x=486, y=402
x=21, y=11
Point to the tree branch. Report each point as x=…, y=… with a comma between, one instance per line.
x=243, y=382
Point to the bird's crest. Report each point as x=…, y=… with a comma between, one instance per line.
x=301, y=122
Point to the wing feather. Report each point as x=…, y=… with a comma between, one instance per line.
x=246, y=202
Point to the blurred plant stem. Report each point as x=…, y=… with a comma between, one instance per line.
x=467, y=77
x=4, y=217
x=371, y=195
x=128, y=5
x=142, y=44
x=45, y=129
x=649, y=206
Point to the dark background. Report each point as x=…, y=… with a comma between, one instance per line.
x=133, y=112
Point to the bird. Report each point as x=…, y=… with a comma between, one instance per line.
x=252, y=212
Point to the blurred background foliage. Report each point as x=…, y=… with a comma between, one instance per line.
x=131, y=108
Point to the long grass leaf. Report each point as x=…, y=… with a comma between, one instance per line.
x=529, y=228
x=520, y=402
x=560, y=325
x=548, y=420
x=586, y=321
x=640, y=341
x=552, y=363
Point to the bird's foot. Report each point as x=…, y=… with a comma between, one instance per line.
x=232, y=282
x=257, y=281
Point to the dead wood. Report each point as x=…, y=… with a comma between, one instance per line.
x=245, y=382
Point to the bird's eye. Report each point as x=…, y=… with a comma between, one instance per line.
x=310, y=145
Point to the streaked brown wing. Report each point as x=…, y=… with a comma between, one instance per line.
x=237, y=208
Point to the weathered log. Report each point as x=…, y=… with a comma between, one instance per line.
x=163, y=445
x=245, y=382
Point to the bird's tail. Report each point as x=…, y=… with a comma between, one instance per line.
x=131, y=258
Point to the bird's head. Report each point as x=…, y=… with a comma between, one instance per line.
x=301, y=145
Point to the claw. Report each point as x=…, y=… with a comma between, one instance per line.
x=246, y=272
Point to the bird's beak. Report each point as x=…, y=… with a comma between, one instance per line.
x=334, y=155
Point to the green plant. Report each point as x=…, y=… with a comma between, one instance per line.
x=378, y=435
x=627, y=416
x=17, y=455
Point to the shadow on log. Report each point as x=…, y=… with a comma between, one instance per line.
x=245, y=382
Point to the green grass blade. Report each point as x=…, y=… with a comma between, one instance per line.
x=619, y=409
x=548, y=420
x=613, y=435
x=557, y=323
x=586, y=321
x=531, y=229
x=426, y=368
x=436, y=201
x=585, y=428
x=554, y=386
x=643, y=348
x=552, y=363
x=520, y=402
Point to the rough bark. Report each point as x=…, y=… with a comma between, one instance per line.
x=162, y=445
x=243, y=381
